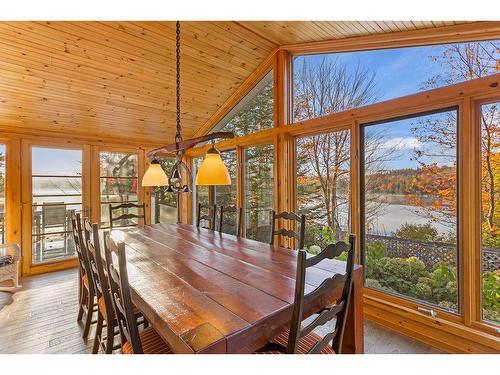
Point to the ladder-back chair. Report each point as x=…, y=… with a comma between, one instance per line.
x=227, y=225
x=288, y=233
x=208, y=216
x=303, y=340
x=141, y=214
x=147, y=341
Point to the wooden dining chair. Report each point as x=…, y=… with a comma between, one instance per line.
x=147, y=341
x=288, y=233
x=86, y=293
x=209, y=216
x=105, y=312
x=234, y=225
x=303, y=340
x=141, y=214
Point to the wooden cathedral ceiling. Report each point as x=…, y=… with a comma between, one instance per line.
x=116, y=80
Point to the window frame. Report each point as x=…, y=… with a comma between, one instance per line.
x=411, y=302
x=142, y=195
x=476, y=314
x=28, y=267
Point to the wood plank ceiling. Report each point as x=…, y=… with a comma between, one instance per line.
x=116, y=80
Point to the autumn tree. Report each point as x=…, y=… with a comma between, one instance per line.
x=459, y=62
x=323, y=160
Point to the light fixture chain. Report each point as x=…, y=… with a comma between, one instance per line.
x=178, y=136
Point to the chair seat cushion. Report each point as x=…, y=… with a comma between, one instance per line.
x=151, y=342
x=305, y=344
x=5, y=260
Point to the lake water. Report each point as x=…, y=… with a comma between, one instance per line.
x=392, y=216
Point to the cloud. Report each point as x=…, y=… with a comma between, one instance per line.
x=400, y=143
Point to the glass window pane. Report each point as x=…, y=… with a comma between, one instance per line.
x=329, y=83
x=2, y=193
x=52, y=247
x=55, y=188
x=164, y=204
x=490, y=206
x=226, y=195
x=410, y=208
x=117, y=164
x=323, y=187
x=253, y=113
x=259, y=191
x=118, y=189
x=56, y=193
x=48, y=161
x=118, y=182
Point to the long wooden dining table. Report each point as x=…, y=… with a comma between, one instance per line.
x=207, y=292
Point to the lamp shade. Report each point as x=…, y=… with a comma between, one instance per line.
x=155, y=176
x=213, y=171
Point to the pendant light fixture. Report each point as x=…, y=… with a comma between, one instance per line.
x=213, y=171
x=155, y=176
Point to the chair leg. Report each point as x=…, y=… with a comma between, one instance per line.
x=98, y=333
x=90, y=313
x=81, y=302
x=110, y=335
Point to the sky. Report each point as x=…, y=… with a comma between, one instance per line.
x=398, y=72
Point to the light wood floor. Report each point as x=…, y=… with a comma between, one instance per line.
x=41, y=318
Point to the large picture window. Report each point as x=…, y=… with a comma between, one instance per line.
x=323, y=163
x=410, y=207
x=490, y=211
x=253, y=113
x=259, y=191
x=118, y=183
x=330, y=83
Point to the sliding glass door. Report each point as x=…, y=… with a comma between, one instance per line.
x=56, y=192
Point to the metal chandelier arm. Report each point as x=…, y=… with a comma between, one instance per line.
x=190, y=143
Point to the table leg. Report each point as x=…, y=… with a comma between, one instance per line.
x=353, y=342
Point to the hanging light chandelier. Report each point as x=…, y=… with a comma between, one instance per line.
x=211, y=172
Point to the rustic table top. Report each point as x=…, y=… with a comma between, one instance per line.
x=206, y=292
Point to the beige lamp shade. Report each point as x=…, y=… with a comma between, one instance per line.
x=213, y=171
x=155, y=176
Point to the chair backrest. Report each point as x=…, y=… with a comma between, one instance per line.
x=209, y=216
x=234, y=226
x=97, y=266
x=120, y=292
x=54, y=214
x=80, y=247
x=289, y=233
x=141, y=214
x=325, y=313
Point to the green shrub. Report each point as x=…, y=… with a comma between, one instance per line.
x=419, y=232
x=491, y=291
x=376, y=250
x=373, y=283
